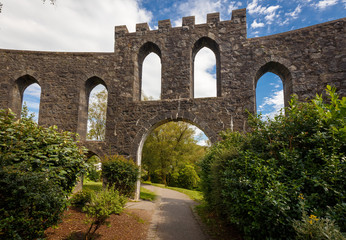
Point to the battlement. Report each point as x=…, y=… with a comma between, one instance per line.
x=213, y=20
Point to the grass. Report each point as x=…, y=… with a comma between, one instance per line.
x=147, y=195
x=193, y=194
x=92, y=186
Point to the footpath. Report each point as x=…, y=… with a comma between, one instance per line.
x=173, y=218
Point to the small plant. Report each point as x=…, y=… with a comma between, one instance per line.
x=120, y=173
x=310, y=227
x=81, y=198
x=100, y=207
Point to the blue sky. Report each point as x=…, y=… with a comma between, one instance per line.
x=88, y=26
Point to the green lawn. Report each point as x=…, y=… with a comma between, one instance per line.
x=147, y=195
x=193, y=194
x=92, y=186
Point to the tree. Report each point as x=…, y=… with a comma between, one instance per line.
x=97, y=116
x=169, y=148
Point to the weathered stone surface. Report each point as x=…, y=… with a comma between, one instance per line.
x=306, y=60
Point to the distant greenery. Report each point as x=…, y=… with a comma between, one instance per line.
x=254, y=180
x=171, y=154
x=38, y=169
x=193, y=194
x=147, y=195
x=92, y=186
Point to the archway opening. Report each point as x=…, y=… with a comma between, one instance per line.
x=31, y=101
x=171, y=153
x=205, y=83
x=151, y=78
x=269, y=95
x=97, y=111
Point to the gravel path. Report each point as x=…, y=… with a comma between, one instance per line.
x=173, y=218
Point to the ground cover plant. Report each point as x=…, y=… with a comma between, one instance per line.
x=254, y=180
x=38, y=169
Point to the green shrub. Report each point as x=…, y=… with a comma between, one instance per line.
x=39, y=167
x=188, y=177
x=254, y=179
x=101, y=206
x=120, y=173
x=29, y=204
x=80, y=199
x=94, y=175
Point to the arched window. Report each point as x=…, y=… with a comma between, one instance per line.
x=269, y=95
x=151, y=78
x=31, y=100
x=206, y=69
x=148, y=78
x=97, y=110
x=273, y=88
x=205, y=74
x=93, y=92
x=26, y=91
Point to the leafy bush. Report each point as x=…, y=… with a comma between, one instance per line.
x=254, y=179
x=120, y=173
x=101, y=206
x=38, y=167
x=188, y=177
x=29, y=204
x=80, y=199
x=31, y=148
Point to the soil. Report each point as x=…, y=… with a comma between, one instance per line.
x=132, y=224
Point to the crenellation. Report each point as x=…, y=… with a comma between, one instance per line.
x=213, y=18
x=239, y=15
x=120, y=31
x=165, y=24
x=189, y=21
x=142, y=27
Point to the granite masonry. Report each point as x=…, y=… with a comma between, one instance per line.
x=306, y=60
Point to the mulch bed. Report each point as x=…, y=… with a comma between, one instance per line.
x=132, y=224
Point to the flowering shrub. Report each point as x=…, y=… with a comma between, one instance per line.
x=254, y=179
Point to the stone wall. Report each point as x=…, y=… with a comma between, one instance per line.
x=306, y=60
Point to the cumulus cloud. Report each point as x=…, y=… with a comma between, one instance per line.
x=151, y=77
x=324, y=4
x=204, y=74
x=68, y=25
x=274, y=102
x=255, y=24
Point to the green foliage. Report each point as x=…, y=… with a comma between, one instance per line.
x=147, y=195
x=29, y=204
x=313, y=228
x=97, y=116
x=92, y=186
x=27, y=147
x=38, y=167
x=188, y=177
x=101, y=206
x=254, y=180
x=167, y=150
x=120, y=173
x=80, y=199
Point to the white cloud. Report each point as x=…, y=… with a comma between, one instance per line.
x=295, y=13
x=204, y=74
x=274, y=102
x=34, y=90
x=151, y=76
x=199, y=9
x=324, y=4
x=68, y=25
x=233, y=5
x=268, y=12
x=255, y=24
